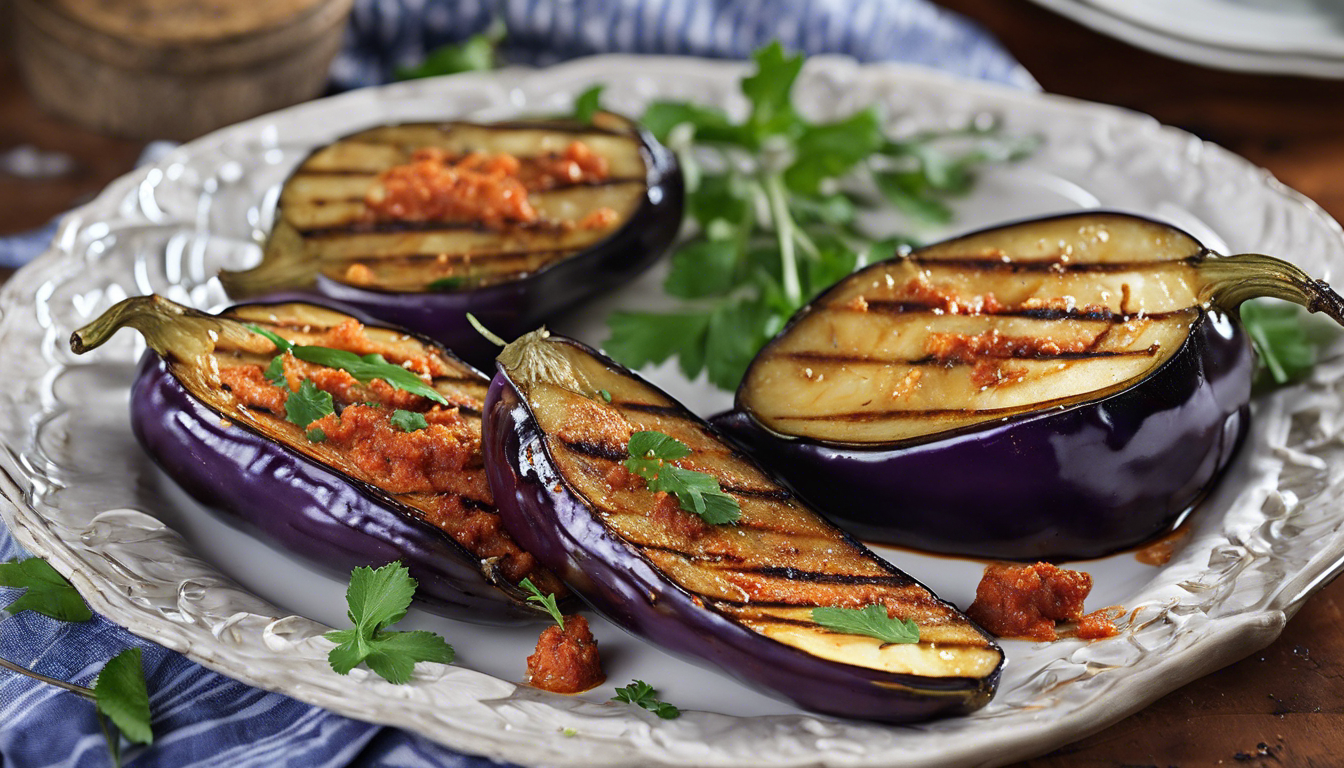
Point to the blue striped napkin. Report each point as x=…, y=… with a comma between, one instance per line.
x=205, y=719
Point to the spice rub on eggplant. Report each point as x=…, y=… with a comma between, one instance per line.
x=1050, y=389
x=419, y=223
x=740, y=595
x=339, y=464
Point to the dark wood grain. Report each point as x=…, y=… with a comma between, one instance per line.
x=1283, y=706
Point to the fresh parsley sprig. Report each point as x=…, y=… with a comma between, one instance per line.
x=546, y=601
x=408, y=421
x=651, y=454
x=1286, y=347
x=870, y=621
x=379, y=598
x=777, y=202
x=643, y=695
x=119, y=692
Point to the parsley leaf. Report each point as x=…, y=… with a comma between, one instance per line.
x=48, y=592
x=871, y=621
x=308, y=404
x=605, y=395
x=379, y=598
x=475, y=54
x=642, y=694
x=782, y=220
x=1285, y=349
x=408, y=421
x=588, y=103
x=275, y=372
x=696, y=492
x=546, y=601
x=120, y=694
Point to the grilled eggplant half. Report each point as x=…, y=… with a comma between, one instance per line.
x=353, y=488
x=419, y=224
x=1050, y=389
x=739, y=596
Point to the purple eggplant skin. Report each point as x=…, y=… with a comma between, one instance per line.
x=512, y=308
x=332, y=520
x=557, y=526
x=1075, y=483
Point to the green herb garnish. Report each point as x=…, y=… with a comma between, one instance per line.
x=120, y=694
x=781, y=223
x=378, y=599
x=698, y=492
x=1286, y=349
x=605, y=395
x=477, y=53
x=408, y=421
x=48, y=593
x=588, y=104
x=364, y=368
x=308, y=404
x=871, y=621
x=642, y=694
x=546, y=601
x=447, y=283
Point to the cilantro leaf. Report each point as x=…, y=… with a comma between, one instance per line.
x=316, y=435
x=908, y=191
x=377, y=599
x=642, y=694
x=696, y=492
x=702, y=268
x=719, y=197
x=588, y=104
x=408, y=421
x=120, y=693
x=768, y=91
x=831, y=150
x=475, y=54
x=546, y=601
x=871, y=621
x=447, y=283
x=48, y=593
x=605, y=395
x=308, y=404
x=711, y=125
x=640, y=338
x=1285, y=350
x=275, y=372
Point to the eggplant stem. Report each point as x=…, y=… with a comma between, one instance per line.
x=166, y=326
x=284, y=265
x=1230, y=280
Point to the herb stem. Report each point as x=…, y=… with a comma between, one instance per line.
x=785, y=233
x=71, y=687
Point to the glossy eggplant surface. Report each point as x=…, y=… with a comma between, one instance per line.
x=377, y=473
x=558, y=421
x=418, y=224
x=1050, y=389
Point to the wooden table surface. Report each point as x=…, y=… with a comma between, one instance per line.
x=1283, y=706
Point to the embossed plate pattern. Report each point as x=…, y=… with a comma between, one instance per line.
x=82, y=494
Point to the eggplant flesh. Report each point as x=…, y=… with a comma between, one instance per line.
x=737, y=596
x=241, y=456
x=426, y=274
x=1052, y=389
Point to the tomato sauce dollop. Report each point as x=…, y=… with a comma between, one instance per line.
x=566, y=660
x=1026, y=601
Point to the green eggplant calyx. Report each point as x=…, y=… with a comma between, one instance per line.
x=533, y=359
x=1230, y=280
x=284, y=265
x=168, y=327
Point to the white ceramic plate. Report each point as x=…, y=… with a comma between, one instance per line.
x=1290, y=37
x=82, y=494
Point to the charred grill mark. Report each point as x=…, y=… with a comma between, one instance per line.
x=776, y=494
x=596, y=450
x=1087, y=354
x=988, y=264
x=362, y=227
x=704, y=557
x=896, y=307
x=451, y=258
x=653, y=408
x=790, y=573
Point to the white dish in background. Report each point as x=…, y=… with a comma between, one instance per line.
x=1290, y=37
x=84, y=496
